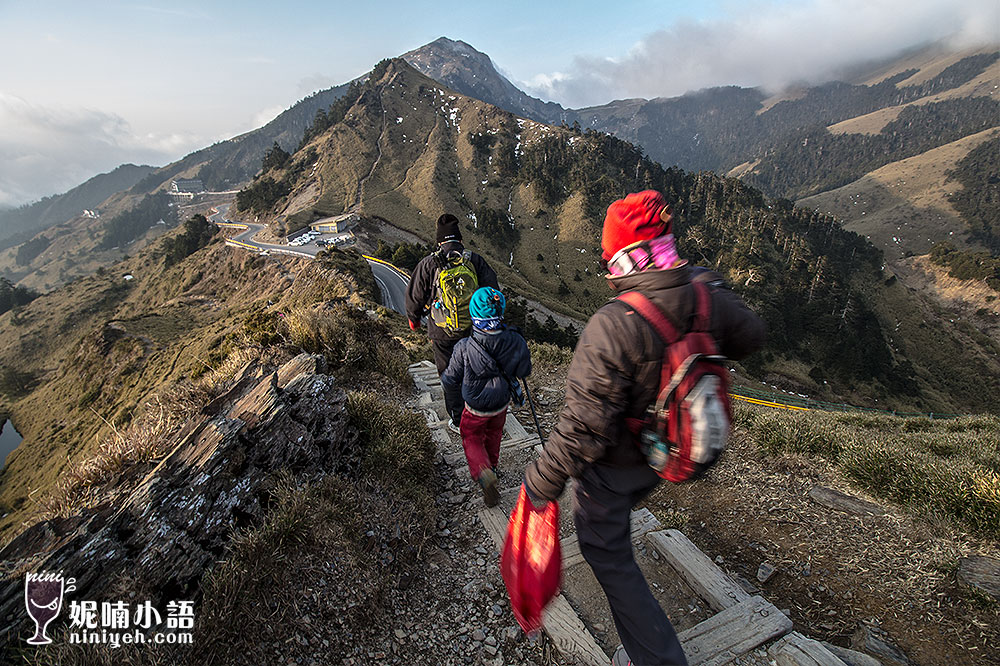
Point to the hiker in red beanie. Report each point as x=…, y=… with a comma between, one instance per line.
x=613, y=378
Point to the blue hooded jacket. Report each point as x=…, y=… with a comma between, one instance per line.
x=473, y=373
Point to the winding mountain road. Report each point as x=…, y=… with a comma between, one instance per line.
x=391, y=281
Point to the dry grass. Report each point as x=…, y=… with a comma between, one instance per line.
x=949, y=469
x=903, y=206
x=397, y=445
x=146, y=440
x=352, y=343
x=869, y=123
x=741, y=170
x=838, y=569
x=549, y=356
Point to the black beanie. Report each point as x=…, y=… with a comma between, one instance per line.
x=447, y=229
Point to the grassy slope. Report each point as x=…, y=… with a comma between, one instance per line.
x=941, y=347
x=937, y=481
x=100, y=346
x=427, y=167
x=902, y=208
x=962, y=298
x=872, y=123
x=75, y=249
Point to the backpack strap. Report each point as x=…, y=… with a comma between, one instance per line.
x=656, y=318
x=653, y=315
x=435, y=286
x=511, y=384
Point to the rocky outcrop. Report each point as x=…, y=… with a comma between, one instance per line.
x=177, y=520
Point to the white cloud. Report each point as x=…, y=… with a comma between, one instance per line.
x=47, y=150
x=769, y=44
x=265, y=116
x=314, y=82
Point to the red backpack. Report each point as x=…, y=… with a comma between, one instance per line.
x=686, y=427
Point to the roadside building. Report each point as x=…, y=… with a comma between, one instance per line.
x=337, y=224
x=187, y=186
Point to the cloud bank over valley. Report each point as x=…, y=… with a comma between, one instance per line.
x=769, y=44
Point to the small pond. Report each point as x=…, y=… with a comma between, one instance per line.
x=10, y=439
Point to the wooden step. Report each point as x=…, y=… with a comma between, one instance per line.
x=741, y=624
x=570, y=635
x=733, y=632
x=697, y=570
x=642, y=521
x=561, y=622
x=798, y=650
x=520, y=443
x=514, y=430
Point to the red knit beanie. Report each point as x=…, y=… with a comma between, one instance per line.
x=637, y=217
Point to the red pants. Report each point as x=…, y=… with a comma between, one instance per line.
x=481, y=437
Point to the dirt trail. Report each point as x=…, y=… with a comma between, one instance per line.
x=359, y=193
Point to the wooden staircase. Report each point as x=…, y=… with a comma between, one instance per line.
x=740, y=624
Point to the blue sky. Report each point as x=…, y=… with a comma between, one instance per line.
x=86, y=86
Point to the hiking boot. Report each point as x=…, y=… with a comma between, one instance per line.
x=488, y=482
x=620, y=657
x=454, y=427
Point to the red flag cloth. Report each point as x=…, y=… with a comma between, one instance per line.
x=531, y=563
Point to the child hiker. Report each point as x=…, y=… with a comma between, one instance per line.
x=484, y=371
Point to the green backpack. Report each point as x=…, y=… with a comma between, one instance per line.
x=456, y=282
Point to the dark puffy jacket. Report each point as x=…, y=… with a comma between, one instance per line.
x=473, y=372
x=420, y=292
x=615, y=372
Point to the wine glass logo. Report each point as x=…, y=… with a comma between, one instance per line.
x=43, y=596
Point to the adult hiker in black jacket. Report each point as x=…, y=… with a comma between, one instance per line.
x=423, y=294
x=614, y=376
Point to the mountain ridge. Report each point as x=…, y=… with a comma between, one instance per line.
x=58, y=208
x=437, y=60
x=536, y=194
x=701, y=127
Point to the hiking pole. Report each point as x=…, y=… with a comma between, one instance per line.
x=531, y=404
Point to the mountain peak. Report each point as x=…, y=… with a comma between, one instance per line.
x=446, y=54
x=462, y=68
x=454, y=46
